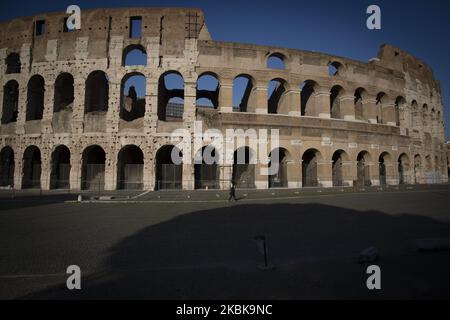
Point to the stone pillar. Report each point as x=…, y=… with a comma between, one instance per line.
x=188, y=177
x=294, y=173
x=45, y=169
x=293, y=95
x=369, y=106
x=226, y=95
x=110, y=170
x=347, y=105
x=75, y=169
x=261, y=98
x=47, y=116
x=113, y=114
x=392, y=173
x=22, y=106
x=190, y=103
x=349, y=172
x=149, y=170
x=151, y=106
x=374, y=173
x=322, y=103
x=78, y=105
x=18, y=165
x=261, y=180
x=325, y=173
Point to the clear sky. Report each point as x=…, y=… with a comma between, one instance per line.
x=421, y=28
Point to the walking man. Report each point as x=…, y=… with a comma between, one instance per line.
x=232, y=192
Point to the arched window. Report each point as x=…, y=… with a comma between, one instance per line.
x=10, y=102
x=97, y=92
x=309, y=168
x=171, y=96
x=359, y=110
x=134, y=55
x=334, y=68
x=335, y=102
x=308, y=98
x=35, y=98
x=64, y=92
x=132, y=99
x=130, y=168
x=242, y=93
x=208, y=87
x=60, y=171
x=168, y=174
x=13, y=64
x=276, y=61
x=93, y=168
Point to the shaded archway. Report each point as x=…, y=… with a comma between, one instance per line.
x=93, y=168
x=168, y=174
x=276, y=90
x=363, y=169
x=31, y=170
x=13, y=64
x=97, y=92
x=171, y=96
x=383, y=161
x=207, y=93
x=10, y=108
x=60, y=168
x=308, y=88
x=310, y=161
x=130, y=168
x=243, y=168
x=338, y=158
x=64, y=92
x=335, y=102
x=280, y=178
x=403, y=169
x=7, y=166
x=35, y=98
x=206, y=171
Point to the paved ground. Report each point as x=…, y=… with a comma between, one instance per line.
x=205, y=250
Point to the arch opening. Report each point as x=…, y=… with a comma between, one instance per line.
x=64, y=93
x=93, y=168
x=10, y=102
x=168, y=174
x=97, y=92
x=276, y=61
x=35, y=98
x=171, y=97
x=208, y=88
x=335, y=103
x=383, y=162
x=243, y=175
x=206, y=168
x=7, y=166
x=363, y=169
x=60, y=168
x=133, y=94
x=280, y=178
x=134, y=55
x=31, y=170
x=130, y=167
x=334, y=68
x=242, y=89
x=308, y=98
x=309, y=168
x=403, y=169
x=13, y=64
x=276, y=92
x=338, y=159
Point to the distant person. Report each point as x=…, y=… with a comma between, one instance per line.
x=132, y=93
x=232, y=192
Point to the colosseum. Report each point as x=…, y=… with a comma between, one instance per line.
x=95, y=107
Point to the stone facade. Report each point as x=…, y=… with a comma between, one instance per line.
x=371, y=123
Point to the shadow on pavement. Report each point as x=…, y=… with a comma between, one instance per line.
x=211, y=254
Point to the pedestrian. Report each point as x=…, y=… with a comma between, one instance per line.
x=232, y=192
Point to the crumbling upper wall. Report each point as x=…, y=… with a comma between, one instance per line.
x=171, y=25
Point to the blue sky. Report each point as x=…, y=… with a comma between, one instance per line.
x=421, y=28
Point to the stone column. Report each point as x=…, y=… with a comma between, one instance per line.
x=47, y=116
x=349, y=172
x=45, y=169
x=149, y=169
x=226, y=95
x=322, y=103
x=374, y=173
x=110, y=170
x=261, y=98
x=151, y=107
x=18, y=165
x=78, y=105
x=347, y=105
x=392, y=173
x=261, y=180
x=369, y=106
x=188, y=177
x=75, y=169
x=294, y=174
x=113, y=114
x=325, y=173
x=22, y=106
x=293, y=94
x=190, y=105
